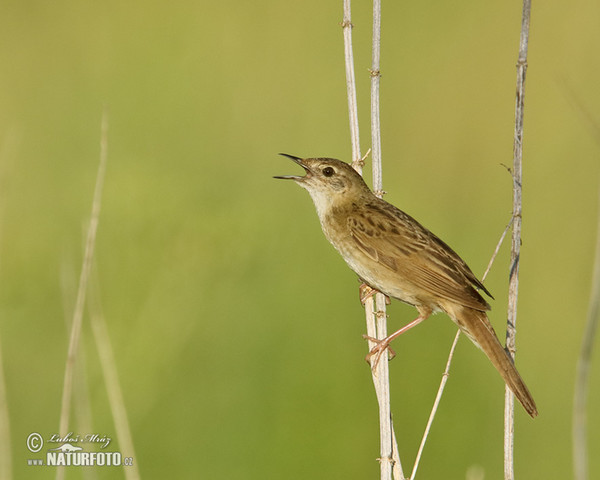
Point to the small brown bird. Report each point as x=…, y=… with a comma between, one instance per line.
x=393, y=253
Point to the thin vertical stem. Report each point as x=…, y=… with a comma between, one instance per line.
x=580, y=451
x=436, y=404
x=382, y=380
x=387, y=443
x=446, y=373
x=513, y=288
x=375, y=314
x=113, y=387
x=83, y=281
x=375, y=121
x=351, y=87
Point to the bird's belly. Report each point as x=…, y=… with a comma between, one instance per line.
x=378, y=276
x=385, y=280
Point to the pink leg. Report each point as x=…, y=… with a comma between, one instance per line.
x=383, y=345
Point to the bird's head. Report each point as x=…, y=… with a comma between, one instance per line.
x=330, y=182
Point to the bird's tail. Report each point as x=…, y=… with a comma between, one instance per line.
x=477, y=327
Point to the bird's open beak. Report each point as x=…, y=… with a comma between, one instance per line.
x=297, y=160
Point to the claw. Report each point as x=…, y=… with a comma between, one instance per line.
x=384, y=343
x=380, y=347
x=365, y=291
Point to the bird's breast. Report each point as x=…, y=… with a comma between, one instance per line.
x=369, y=270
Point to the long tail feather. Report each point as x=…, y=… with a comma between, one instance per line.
x=478, y=328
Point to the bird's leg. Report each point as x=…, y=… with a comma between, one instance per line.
x=365, y=291
x=383, y=344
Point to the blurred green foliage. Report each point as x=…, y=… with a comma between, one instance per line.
x=236, y=328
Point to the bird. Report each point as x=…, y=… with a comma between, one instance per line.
x=393, y=253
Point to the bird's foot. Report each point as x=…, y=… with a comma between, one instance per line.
x=384, y=344
x=378, y=350
x=365, y=291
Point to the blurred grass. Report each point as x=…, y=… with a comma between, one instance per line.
x=209, y=269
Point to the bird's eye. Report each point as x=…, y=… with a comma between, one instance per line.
x=328, y=171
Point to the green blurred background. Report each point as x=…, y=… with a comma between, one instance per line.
x=235, y=326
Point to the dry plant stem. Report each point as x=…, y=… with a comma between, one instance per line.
x=81, y=397
x=351, y=87
x=83, y=281
x=436, y=403
x=446, y=373
x=111, y=380
x=381, y=381
x=397, y=465
x=381, y=370
x=382, y=390
x=580, y=452
x=380, y=374
x=375, y=122
x=495, y=254
x=513, y=286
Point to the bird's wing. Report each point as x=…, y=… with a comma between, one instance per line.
x=398, y=242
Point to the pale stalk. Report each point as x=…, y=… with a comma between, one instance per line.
x=113, y=386
x=82, y=288
x=381, y=371
x=446, y=373
x=374, y=307
x=375, y=120
x=579, y=427
x=513, y=286
x=436, y=404
x=582, y=377
x=357, y=162
x=580, y=451
x=81, y=400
